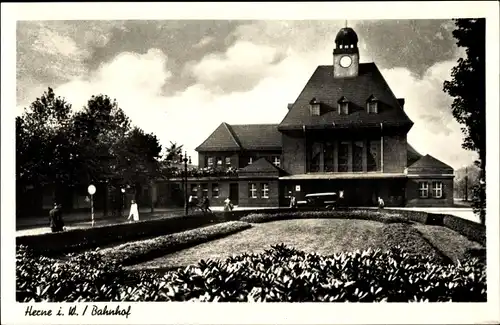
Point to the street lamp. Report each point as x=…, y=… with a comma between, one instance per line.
x=91, y=189
x=185, y=159
x=466, y=184
x=123, y=202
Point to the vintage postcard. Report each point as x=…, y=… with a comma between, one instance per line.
x=256, y=163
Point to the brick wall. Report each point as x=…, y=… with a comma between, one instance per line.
x=412, y=193
x=294, y=154
x=395, y=153
x=257, y=154
x=246, y=201
x=234, y=156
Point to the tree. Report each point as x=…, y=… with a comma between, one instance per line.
x=44, y=154
x=173, y=152
x=468, y=88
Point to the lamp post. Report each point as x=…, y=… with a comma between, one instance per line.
x=185, y=159
x=466, y=185
x=91, y=189
x=123, y=202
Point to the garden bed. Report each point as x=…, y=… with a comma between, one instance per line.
x=139, y=251
x=324, y=236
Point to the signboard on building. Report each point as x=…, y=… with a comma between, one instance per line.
x=297, y=188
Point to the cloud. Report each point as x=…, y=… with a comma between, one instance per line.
x=240, y=68
x=435, y=131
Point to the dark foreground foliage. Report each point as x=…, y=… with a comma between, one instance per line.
x=280, y=274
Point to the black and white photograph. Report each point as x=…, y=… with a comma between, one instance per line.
x=216, y=154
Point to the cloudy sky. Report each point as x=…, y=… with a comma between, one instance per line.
x=180, y=79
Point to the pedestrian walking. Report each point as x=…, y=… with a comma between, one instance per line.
x=293, y=201
x=380, y=203
x=206, y=205
x=134, y=211
x=55, y=218
x=228, y=206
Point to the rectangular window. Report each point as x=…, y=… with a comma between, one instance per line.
x=343, y=157
x=204, y=190
x=210, y=161
x=194, y=190
x=315, y=157
x=328, y=158
x=437, y=190
x=343, y=108
x=219, y=161
x=315, y=109
x=373, y=156
x=372, y=107
x=276, y=161
x=228, y=161
x=423, y=190
x=357, y=156
x=264, y=190
x=252, y=189
x=215, y=190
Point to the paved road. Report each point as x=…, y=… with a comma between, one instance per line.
x=75, y=221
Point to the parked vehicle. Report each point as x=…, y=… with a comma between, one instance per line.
x=328, y=201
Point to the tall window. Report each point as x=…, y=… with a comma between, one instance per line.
x=357, y=156
x=228, y=161
x=276, y=161
x=219, y=161
x=315, y=109
x=215, y=190
x=328, y=159
x=194, y=190
x=343, y=157
x=210, y=161
x=252, y=188
x=373, y=156
x=437, y=189
x=423, y=189
x=315, y=157
x=204, y=190
x=264, y=190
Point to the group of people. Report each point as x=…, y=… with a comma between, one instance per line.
x=205, y=204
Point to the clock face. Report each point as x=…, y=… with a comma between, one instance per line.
x=345, y=61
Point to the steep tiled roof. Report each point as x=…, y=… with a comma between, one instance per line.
x=246, y=137
x=430, y=162
x=328, y=90
x=221, y=139
x=412, y=155
x=262, y=165
x=258, y=136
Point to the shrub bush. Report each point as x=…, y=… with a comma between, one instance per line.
x=140, y=251
x=373, y=215
x=279, y=274
x=472, y=230
x=51, y=244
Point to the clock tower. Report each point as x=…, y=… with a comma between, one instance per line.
x=346, y=54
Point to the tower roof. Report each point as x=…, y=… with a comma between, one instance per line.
x=346, y=35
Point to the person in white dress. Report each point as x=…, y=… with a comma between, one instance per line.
x=134, y=211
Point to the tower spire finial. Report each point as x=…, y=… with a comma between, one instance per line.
x=346, y=23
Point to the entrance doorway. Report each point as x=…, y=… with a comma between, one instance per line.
x=234, y=193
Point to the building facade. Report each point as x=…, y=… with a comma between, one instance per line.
x=345, y=131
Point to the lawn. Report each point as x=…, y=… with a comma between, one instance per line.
x=324, y=236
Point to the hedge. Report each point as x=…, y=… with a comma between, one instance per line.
x=472, y=230
x=340, y=214
x=144, y=250
x=75, y=240
x=280, y=274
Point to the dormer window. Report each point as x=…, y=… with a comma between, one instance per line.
x=343, y=105
x=372, y=105
x=315, y=107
